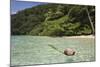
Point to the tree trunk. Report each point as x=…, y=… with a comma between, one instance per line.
x=92, y=26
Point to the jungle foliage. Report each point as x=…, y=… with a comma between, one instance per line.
x=54, y=20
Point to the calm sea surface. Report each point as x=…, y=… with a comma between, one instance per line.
x=30, y=50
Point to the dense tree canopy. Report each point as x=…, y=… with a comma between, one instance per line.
x=54, y=20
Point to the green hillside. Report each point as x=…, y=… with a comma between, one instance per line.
x=54, y=20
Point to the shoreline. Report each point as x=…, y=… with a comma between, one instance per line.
x=82, y=36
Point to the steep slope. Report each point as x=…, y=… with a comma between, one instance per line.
x=53, y=20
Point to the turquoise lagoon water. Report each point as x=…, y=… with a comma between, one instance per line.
x=31, y=50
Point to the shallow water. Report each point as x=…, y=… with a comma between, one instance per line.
x=30, y=50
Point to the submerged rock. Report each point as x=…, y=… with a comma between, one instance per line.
x=69, y=52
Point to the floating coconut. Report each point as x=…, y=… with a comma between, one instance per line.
x=69, y=52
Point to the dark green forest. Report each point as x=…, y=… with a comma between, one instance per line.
x=54, y=20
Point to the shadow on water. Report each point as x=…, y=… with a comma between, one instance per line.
x=69, y=60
